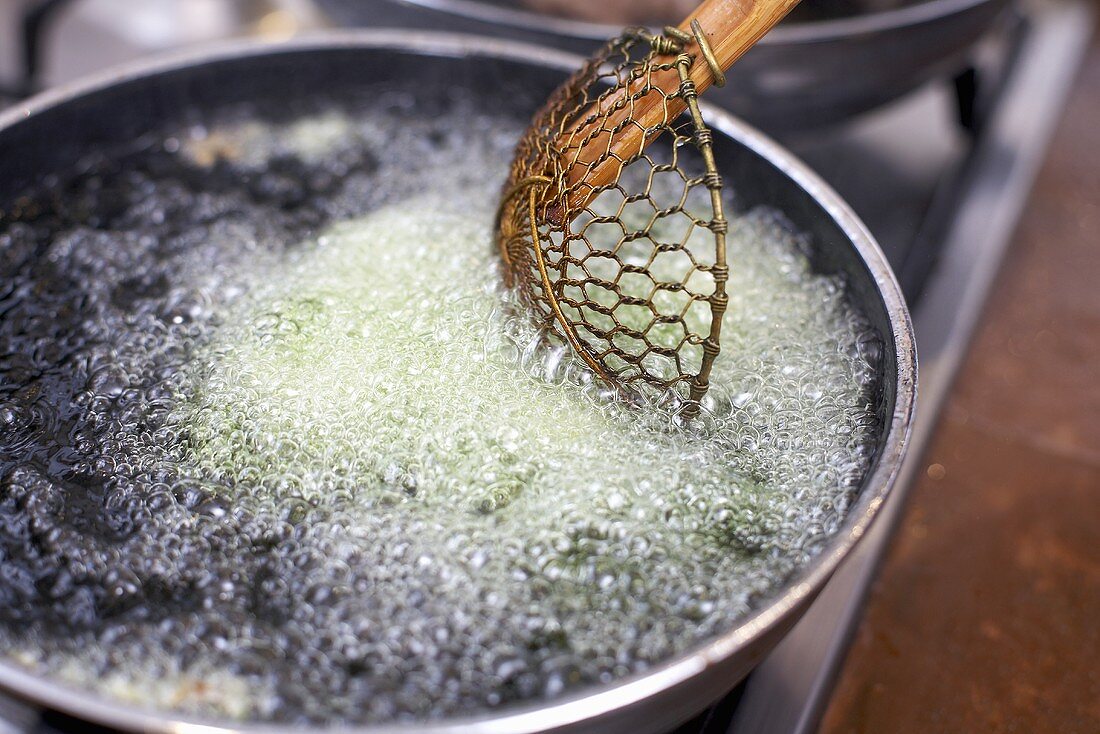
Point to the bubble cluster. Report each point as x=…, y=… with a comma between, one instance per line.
x=277, y=445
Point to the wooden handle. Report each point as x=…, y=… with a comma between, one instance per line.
x=731, y=28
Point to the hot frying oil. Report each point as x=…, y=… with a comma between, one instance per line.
x=277, y=443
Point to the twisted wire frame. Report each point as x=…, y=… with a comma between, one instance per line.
x=632, y=273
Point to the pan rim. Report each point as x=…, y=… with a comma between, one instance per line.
x=592, y=703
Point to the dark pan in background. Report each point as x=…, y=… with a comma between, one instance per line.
x=828, y=62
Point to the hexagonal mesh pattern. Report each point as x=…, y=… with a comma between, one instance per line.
x=631, y=272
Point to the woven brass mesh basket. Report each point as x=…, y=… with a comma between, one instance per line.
x=631, y=272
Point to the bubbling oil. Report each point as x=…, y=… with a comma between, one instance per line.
x=278, y=445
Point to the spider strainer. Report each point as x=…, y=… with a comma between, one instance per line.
x=630, y=272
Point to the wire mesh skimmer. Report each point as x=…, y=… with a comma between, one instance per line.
x=611, y=225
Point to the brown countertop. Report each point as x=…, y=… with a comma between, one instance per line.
x=986, y=614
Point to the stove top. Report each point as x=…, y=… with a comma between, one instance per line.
x=942, y=186
x=939, y=177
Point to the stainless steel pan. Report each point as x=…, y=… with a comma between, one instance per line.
x=50, y=132
x=803, y=74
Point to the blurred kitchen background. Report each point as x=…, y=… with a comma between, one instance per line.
x=973, y=606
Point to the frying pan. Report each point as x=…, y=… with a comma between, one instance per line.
x=52, y=131
x=803, y=74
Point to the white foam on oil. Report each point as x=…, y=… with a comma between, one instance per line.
x=452, y=515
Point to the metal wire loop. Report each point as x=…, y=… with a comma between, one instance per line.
x=708, y=53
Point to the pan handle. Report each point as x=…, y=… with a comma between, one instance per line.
x=32, y=32
x=17, y=717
